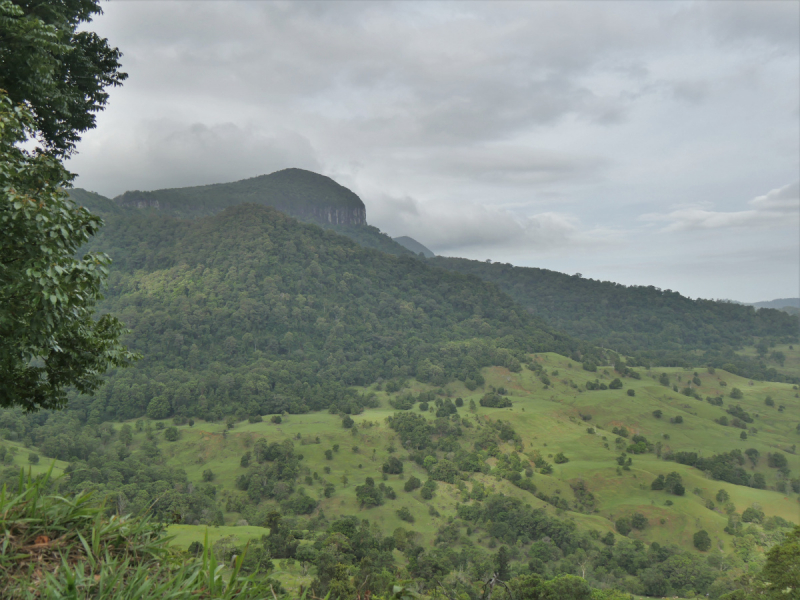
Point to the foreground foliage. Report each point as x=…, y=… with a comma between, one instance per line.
x=57, y=547
x=49, y=339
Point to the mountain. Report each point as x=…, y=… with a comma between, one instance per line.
x=296, y=192
x=414, y=246
x=303, y=194
x=787, y=305
x=252, y=311
x=657, y=326
x=778, y=304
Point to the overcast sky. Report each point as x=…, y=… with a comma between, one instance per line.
x=653, y=143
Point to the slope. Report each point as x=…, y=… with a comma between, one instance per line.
x=414, y=246
x=657, y=326
x=252, y=312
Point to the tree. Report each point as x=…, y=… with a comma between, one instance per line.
x=623, y=525
x=54, y=79
x=723, y=496
x=61, y=73
x=49, y=340
x=638, y=521
x=781, y=572
x=702, y=541
x=501, y=564
x=171, y=434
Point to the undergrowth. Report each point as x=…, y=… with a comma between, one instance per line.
x=52, y=547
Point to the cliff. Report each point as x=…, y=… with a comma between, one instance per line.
x=303, y=194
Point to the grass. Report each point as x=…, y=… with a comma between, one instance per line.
x=56, y=547
x=549, y=419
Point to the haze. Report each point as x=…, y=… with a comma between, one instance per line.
x=645, y=143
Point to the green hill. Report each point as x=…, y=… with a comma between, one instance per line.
x=658, y=327
x=252, y=312
x=414, y=246
x=294, y=191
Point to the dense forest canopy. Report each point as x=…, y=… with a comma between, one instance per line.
x=659, y=327
x=251, y=310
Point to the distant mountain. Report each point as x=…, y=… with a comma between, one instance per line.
x=302, y=194
x=779, y=304
x=656, y=326
x=296, y=192
x=414, y=246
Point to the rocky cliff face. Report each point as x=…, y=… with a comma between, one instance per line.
x=302, y=194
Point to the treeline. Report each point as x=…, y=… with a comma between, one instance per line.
x=253, y=312
x=657, y=327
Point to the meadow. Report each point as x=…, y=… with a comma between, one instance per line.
x=550, y=419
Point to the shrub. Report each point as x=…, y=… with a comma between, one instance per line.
x=631, y=392
x=347, y=422
x=405, y=515
x=736, y=394
x=208, y=475
x=623, y=525
x=411, y=484
x=560, y=459
x=393, y=466
x=638, y=521
x=33, y=458
x=616, y=384
x=702, y=541
x=171, y=434
x=276, y=419
x=657, y=414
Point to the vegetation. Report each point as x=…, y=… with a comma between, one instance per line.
x=657, y=327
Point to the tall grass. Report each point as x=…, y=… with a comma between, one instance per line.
x=52, y=547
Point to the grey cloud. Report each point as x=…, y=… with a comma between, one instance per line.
x=504, y=130
x=168, y=154
x=473, y=228
x=779, y=207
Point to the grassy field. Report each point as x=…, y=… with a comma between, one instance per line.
x=791, y=365
x=549, y=419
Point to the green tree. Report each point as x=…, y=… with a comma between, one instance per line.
x=171, y=434
x=781, y=573
x=702, y=541
x=49, y=340
x=56, y=68
x=501, y=564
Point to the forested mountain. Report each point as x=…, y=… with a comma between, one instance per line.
x=659, y=327
x=414, y=246
x=294, y=191
x=251, y=311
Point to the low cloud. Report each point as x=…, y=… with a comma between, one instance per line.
x=470, y=229
x=163, y=154
x=775, y=208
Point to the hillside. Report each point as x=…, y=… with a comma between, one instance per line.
x=562, y=477
x=252, y=312
x=655, y=326
x=294, y=191
x=414, y=246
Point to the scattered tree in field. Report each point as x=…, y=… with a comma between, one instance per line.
x=702, y=541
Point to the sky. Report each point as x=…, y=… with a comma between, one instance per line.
x=648, y=143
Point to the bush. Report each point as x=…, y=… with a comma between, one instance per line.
x=275, y=419
x=393, y=466
x=702, y=541
x=208, y=475
x=171, y=434
x=638, y=521
x=411, y=484
x=347, y=422
x=616, y=384
x=405, y=515
x=560, y=459
x=631, y=392
x=657, y=414
x=33, y=458
x=623, y=525
x=736, y=394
